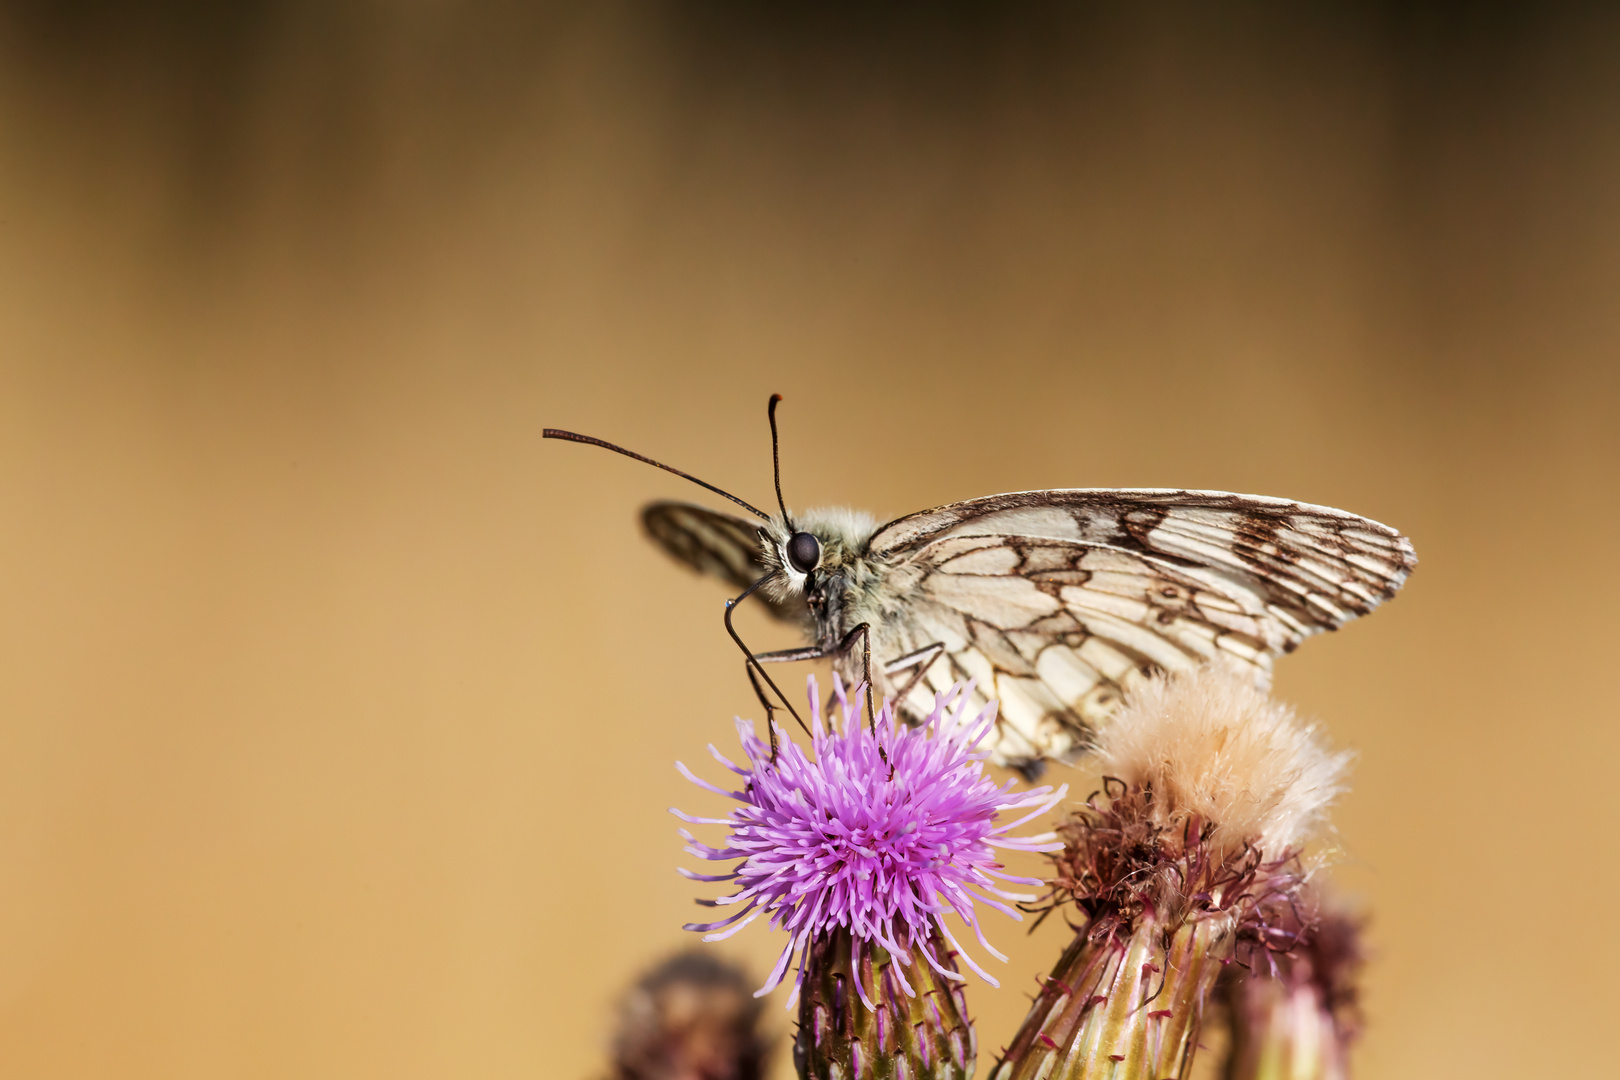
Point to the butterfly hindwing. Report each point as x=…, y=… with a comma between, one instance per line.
x=1056, y=630
x=713, y=543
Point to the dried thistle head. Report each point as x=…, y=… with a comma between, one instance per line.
x=1212, y=790
x=1188, y=859
x=1211, y=745
x=693, y=1017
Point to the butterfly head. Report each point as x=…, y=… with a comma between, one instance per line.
x=819, y=548
x=816, y=556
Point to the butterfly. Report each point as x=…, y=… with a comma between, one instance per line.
x=1054, y=602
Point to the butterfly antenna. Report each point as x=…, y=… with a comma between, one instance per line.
x=557, y=433
x=753, y=661
x=776, y=461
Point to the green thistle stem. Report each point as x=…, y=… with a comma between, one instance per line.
x=923, y=1037
x=1121, y=1008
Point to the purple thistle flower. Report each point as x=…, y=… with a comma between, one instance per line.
x=884, y=833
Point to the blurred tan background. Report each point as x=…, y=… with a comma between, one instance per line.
x=338, y=710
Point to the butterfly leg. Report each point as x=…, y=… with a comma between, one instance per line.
x=816, y=652
x=865, y=631
x=764, y=699
x=809, y=652
x=754, y=668
x=786, y=656
x=789, y=656
x=918, y=663
x=778, y=656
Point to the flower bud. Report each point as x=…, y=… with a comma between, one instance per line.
x=1294, y=1017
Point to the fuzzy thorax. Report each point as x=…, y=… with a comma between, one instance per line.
x=1210, y=744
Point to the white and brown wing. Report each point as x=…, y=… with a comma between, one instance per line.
x=714, y=543
x=1056, y=601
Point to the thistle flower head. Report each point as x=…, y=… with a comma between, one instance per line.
x=882, y=831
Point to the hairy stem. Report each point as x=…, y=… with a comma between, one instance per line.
x=922, y=1036
x=1121, y=1007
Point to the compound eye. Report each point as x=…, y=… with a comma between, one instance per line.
x=803, y=552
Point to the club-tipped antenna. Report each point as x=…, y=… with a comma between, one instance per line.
x=776, y=462
x=557, y=433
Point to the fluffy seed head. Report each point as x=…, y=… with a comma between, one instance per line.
x=1211, y=744
x=880, y=832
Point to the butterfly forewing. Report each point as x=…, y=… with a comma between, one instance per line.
x=1313, y=566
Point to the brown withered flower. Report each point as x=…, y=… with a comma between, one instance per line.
x=1190, y=858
